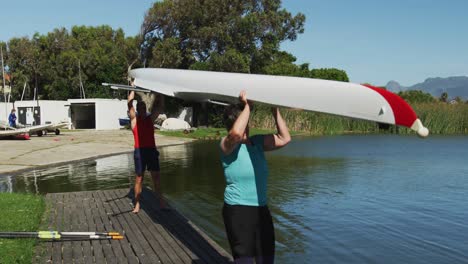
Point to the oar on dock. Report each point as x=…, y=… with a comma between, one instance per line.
x=55, y=235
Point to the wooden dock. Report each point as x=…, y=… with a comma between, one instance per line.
x=151, y=236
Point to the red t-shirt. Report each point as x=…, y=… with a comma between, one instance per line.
x=143, y=133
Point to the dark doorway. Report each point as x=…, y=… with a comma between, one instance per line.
x=83, y=116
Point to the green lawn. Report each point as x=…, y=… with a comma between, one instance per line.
x=213, y=133
x=19, y=212
x=199, y=133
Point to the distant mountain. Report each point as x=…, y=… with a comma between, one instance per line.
x=454, y=86
x=394, y=86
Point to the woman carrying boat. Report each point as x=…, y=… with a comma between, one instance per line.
x=247, y=219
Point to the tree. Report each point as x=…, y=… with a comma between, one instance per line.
x=233, y=35
x=166, y=54
x=23, y=64
x=416, y=96
x=329, y=74
x=52, y=62
x=282, y=63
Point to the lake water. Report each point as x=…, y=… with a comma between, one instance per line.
x=337, y=199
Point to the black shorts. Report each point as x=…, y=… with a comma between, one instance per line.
x=146, y=159
x=250, y=232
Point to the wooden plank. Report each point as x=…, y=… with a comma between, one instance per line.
x=67, y=253
x=83, y=200
x=220, y=253
x=141, y=234
x=173, y=248
x=189, y=246
x=99, y=214
x=105, y=244
x=118, y=255
x=97, y=254
x=168, y=242
x=200, y=246
x=132, y=235
x=124, y=244
x=75, y=208
x=153, y=236
x=180, y=230
x=57, y=246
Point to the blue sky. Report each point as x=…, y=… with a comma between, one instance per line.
x=374, y=41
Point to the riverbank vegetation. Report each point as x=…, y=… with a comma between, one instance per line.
x=439, y=118
x=19, y=212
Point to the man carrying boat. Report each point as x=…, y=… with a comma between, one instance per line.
x=146, y=155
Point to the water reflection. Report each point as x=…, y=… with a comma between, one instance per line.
x=103, y=173
x=88, y=175
x=305, y=174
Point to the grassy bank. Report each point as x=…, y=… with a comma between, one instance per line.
x=19, y=212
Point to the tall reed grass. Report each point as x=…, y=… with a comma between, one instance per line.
x=440, y=118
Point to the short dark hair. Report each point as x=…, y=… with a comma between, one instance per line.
x=231, y=113
x=141, y=104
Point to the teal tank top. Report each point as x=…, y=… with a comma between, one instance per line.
x=246, y=174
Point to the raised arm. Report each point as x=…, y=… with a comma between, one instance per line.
x=236, y=133
x=131, y=109
x=158, y=106
x=282, y=136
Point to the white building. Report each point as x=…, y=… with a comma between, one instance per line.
x=100, y=114
x=36, y=112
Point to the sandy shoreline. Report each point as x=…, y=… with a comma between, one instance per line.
x=19, y=155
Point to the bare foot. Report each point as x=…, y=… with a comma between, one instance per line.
x=136, y=209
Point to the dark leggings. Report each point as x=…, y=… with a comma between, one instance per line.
x=250, y=232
